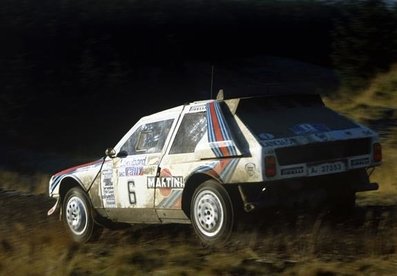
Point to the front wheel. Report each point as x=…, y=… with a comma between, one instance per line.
x=78, y=216
x=211, y=213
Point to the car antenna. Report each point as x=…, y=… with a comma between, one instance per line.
x=212, y=80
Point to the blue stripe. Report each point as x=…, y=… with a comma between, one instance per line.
x=227, y=172
x=211, y=133
x=224, y=128
x=55, y=180
x=205, y=168
x=170, y=200
x=55, y=183
x=228, y=135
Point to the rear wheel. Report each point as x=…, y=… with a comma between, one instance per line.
x=78, y=216
x=211, y=213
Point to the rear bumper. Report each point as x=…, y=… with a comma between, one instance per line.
x=308, y=189
x=364, y=187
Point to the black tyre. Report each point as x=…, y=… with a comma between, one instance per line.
x=78, y=216
x=211, y=213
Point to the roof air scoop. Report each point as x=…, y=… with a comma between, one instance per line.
x=220, y=95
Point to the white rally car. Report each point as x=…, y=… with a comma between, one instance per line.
x=204, y=162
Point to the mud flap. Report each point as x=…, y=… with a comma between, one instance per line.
x=55, y=207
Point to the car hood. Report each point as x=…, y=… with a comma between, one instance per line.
x=82, y=167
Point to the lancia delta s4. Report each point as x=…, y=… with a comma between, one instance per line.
x=204, y=162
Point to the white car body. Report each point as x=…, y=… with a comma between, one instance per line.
x=164, y=157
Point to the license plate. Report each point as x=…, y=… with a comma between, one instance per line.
x=326, y=168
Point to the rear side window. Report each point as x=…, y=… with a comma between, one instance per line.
x=148, y=138
x=192, y=129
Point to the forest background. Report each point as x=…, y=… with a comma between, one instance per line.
x=75, y=75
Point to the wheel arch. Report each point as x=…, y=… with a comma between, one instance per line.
x=191, y=185
x=68, y=183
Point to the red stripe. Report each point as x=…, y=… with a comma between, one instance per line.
x=77, y=167
x=221, y=165
x=217, y=130
x=216, y=171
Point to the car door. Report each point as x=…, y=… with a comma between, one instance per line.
x=135, y=169
x=179, y=162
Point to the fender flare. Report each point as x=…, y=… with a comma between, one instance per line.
x=57, y=184
x=192, y=182
x=58, y=181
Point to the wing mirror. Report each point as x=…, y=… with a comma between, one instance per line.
x=110, y=152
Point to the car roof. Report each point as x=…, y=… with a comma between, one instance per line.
x=203, y=102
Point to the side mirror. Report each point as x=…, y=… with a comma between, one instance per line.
x=110, y=152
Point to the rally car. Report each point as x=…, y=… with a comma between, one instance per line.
x=204, y=162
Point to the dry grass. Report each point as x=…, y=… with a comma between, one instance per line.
x=376, y=107
x=289, y=244
x=34, y=183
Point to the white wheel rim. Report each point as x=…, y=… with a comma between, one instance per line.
x=208, y=213
x=76, y=215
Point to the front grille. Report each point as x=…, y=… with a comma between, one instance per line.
x=318, y=152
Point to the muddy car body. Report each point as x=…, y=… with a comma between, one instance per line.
x=202, y=162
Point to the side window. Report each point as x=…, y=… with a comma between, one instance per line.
x=148, y=138
x=129, y=145
x=192, y=129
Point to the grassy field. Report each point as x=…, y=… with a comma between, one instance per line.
x=377, y=108
x=363, y=242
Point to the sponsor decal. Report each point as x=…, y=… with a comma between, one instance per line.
x=250, y=169
x=321, y=137
x=108, y=189
x=266, y=136
x=131, y=171
x=279, y=142
x=170, y=182
x=359, y=162
x=136, y=161
x=292, y=171
x=172, y=198
x=197, y=108
x=309, y=128
x=132, y=166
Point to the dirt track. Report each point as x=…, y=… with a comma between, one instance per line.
x=364, y=241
